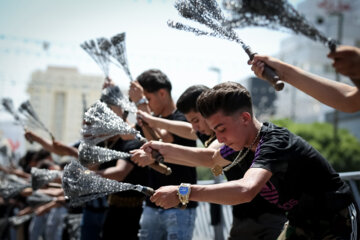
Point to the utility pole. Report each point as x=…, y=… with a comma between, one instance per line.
x=336, y=8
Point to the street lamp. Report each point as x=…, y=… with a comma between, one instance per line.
x=336, y=8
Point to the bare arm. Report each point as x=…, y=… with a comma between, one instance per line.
x=338, y=95
x=54, y=147
x=178, y=154
x=118, y=172
x=180, y=128
x=229, y=193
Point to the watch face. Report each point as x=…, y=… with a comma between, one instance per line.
x=183, y=190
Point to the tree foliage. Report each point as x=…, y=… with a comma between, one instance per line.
x=343, y=154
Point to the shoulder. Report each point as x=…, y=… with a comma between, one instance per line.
x=273, y=135
x=177, y=115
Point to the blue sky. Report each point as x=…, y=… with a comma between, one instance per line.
x=184, y=57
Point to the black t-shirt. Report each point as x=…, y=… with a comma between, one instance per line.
x=180, y=174
x=138, y=175
x=303, y=182
x=258, y=205
x=202, y=137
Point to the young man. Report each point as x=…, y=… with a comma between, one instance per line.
x=196, y=126
x=286, y=171
x=152, y=91
x=252, y=221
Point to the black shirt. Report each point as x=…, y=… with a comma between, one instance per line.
x=258, y=205
x=180, y=174
x=303, y=182
x=138, y=175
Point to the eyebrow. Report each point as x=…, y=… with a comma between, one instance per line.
x=218, y=126
x=192, y=119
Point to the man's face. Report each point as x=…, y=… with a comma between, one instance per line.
x=156, y=102
x=198, y=123
x=230, y=130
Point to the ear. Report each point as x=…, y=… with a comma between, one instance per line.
x=162, y=92
x=246, y=117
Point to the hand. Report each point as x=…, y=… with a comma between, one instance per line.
x=141, y=157
x=136, y=91
x=24, y=211
x=346, y=60
x=30, y=136
x=166, y=197
x=45, y=208
x=156, y=145
x=108, y=83
x=258, y=64
x=142, y=116
x=26, y=192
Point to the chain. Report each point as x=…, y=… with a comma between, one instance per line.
x=241, y=156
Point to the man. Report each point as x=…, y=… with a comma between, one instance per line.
x=251, y=221
x=286, y=171
x=152, y=92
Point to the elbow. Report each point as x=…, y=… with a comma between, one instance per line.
x=248, y=196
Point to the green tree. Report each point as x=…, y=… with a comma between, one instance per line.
x=344, y=154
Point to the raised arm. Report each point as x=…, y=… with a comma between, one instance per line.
x=54, y=147
x=338, y=95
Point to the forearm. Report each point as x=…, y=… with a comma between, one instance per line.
x=47, y=145
x=64, y=150
x=332, y=93
x=112, y=173
x=118, y=172
x=228, y=193
x=189, y=156
x=180, y=128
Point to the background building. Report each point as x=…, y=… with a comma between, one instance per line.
x=58, y=95
x=336, y=19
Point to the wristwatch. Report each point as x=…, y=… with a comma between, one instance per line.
x=184, y=193
x=143, y=100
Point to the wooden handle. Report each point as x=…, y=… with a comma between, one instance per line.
x=161, y=168
x=271, y=76
x=269, y=73
x=148, y=191
x=152, y=133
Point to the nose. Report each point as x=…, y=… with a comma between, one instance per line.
x=195, y=127
x=220, y=138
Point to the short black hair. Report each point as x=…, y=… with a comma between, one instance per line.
x=187, y=100
x=153, y=80
x=228, y=97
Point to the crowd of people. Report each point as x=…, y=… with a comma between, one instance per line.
x=280, y=186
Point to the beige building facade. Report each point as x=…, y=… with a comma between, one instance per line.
x=59, y=95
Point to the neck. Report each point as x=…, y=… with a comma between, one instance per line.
x=254, y=135
x=168, y=108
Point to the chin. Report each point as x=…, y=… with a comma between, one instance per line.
x=234, y=147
